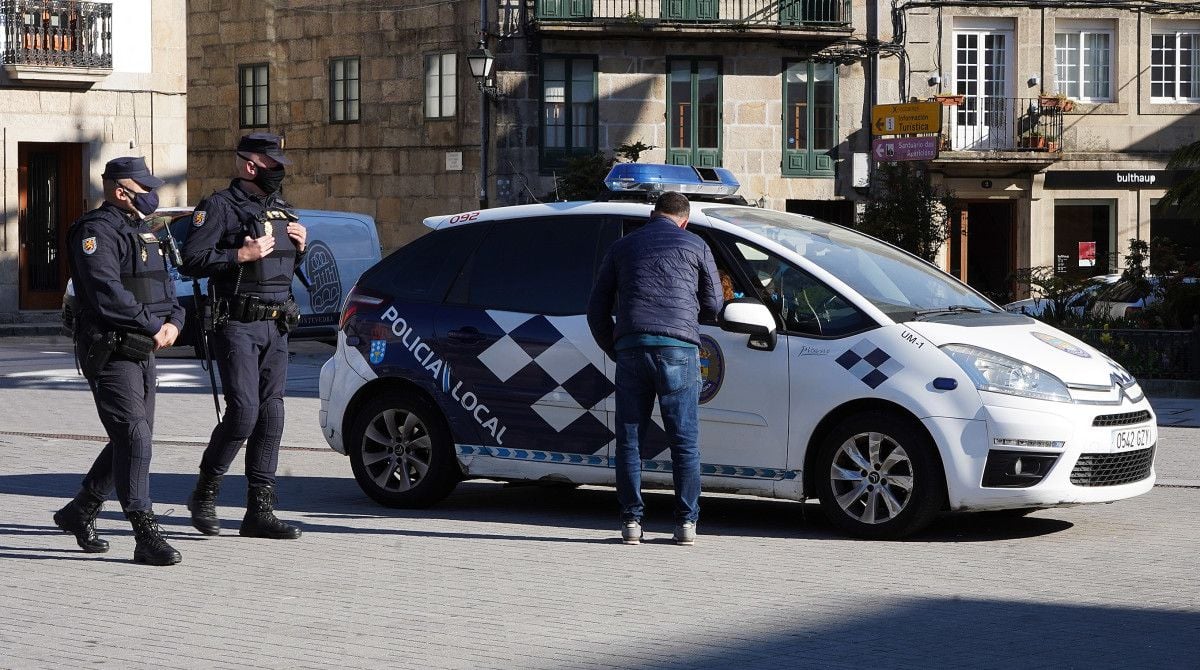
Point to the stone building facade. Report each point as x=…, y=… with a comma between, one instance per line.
x=1044, y=182
x=344, y=84
x=785, y=103
x=80, y=83
x=400, y=160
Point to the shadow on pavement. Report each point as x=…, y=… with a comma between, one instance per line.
x=324, y=501
x=940, y=632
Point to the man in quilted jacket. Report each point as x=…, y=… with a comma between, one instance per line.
x=664, y=282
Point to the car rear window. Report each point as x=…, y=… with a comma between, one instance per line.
x=422, y=270
x=535, y=266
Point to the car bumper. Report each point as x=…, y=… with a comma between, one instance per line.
x=1079, y=460
x=339, y=382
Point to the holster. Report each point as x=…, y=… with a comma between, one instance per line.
x=214, y=312
x=135, y=346
x=100, y=349
x=290, y=317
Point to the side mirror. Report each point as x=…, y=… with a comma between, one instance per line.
x=749, y=316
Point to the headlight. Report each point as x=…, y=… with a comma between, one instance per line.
x=990, y=371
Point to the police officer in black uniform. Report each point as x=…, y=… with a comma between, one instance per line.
x=125, y=310
x=246, y=241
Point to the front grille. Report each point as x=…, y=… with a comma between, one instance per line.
x=1113, y=469
x=1126, y=419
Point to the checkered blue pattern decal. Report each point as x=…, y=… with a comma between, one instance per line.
x=870, y=364
x=566, y=377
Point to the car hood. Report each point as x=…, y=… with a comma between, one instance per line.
x=1033, y=342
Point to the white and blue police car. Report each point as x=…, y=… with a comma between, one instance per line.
x=843, y=369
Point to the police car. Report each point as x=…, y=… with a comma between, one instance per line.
x=842, y=369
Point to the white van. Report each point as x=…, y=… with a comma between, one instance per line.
x=341, y=246
x=848, y=370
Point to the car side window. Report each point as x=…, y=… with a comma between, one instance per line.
x=537, y=266
x=422, y=270
x=804, y=305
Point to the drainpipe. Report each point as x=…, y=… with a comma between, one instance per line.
x=484, y=118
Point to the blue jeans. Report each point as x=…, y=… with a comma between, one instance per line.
x=672, y=374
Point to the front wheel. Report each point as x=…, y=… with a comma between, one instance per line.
x=401, y=453
x=878, y=476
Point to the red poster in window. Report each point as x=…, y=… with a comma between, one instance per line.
x=1087, y=254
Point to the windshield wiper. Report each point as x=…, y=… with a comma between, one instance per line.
x=952, y=309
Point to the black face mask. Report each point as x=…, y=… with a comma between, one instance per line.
x=145, y=203
x=269, y=179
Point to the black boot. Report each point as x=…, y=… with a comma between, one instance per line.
x=260, y=518
x=78, y=517
x=203, y=505
x=151, y=548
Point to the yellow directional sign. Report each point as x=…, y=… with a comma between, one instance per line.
x=906, y=119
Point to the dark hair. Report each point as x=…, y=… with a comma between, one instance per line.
x=675, y=204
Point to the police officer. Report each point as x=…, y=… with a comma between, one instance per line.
x=125, y=310
x=243, y=240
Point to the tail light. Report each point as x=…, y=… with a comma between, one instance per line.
x=355, y=300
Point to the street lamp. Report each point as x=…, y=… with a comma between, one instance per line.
x=481, y=61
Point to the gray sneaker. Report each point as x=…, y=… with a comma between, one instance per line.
x=685, y=533
x=631, y=532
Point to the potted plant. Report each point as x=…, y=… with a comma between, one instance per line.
x=950, y=99
x=1055, y=103
x=1034, y=140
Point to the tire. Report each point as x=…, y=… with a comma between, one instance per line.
x=401, y=453
x=878, y=476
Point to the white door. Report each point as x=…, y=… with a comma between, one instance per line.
x=982, y=72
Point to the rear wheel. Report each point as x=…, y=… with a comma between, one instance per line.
x=878, y=476
x=400, y=452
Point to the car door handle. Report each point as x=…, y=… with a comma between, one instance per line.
x=466, y=334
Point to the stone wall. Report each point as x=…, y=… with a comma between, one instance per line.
x=390, y=165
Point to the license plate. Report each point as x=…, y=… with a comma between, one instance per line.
x=1131, y=438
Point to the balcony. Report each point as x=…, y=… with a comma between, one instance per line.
x=808, y=20
x=56, y=42
x=998, y=134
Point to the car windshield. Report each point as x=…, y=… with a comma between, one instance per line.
x=899, y=284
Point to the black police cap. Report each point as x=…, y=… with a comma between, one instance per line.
x=267, y=144
x=131, y=167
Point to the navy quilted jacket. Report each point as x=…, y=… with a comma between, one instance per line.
x=667, y=282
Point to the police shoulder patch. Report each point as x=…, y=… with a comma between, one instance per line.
x=198, y=218
x=89, y=245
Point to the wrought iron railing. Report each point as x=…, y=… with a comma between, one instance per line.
x=986, y=123
x=1148, y=354
x=56, y=33
x=782, y=13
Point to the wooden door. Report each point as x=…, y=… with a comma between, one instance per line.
x=50, y=186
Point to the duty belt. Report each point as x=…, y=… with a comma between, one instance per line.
x=249, y=308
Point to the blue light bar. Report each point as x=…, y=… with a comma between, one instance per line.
x=651, y=177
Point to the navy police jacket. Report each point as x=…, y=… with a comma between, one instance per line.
x=119, y=270
x=666, y=279
x=219, y=225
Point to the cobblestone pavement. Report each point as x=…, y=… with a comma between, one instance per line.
x=531, y=577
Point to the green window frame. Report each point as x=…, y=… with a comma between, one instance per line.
x=254, y=95
x=810, y=130
x=689, y=10
x=569, y=109
x=694, y=111
x=344, y=89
